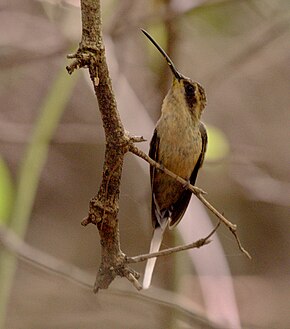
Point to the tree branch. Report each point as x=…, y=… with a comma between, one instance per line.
x=104, y=207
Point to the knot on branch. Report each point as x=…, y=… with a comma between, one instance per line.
x=121, y=143
x=124, y=141
x=85, y=57
x=98, y=210
x=117, y=266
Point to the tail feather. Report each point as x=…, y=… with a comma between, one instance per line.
x=154, y=247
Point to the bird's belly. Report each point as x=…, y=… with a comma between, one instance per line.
x=179, y=152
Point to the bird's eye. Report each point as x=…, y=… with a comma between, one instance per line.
x=189, y=93
x=189, y=89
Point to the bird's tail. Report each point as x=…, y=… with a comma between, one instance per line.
x=154, y=247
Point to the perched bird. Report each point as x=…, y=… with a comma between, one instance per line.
x=179, y=144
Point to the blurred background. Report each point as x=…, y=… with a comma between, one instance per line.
x=52, y=147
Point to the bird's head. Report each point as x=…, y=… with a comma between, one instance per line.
x=183, y=89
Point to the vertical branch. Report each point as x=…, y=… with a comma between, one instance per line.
x=91, y=25
x=91, y=53
x=104, y=207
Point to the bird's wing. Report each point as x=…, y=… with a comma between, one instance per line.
x=180, y=206
x=199, y=163
x=203, y=134
x=158, y=230
x=153, y=153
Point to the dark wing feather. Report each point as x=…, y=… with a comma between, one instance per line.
x=181, y=204
x=199, y=163
x=153, y=154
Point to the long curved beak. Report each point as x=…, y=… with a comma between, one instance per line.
x=177, y=75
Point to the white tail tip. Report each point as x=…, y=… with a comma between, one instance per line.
x=154, y=247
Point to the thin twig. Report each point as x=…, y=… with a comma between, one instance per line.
x=243, y=250
x=197, y=244
x=230, y=225
x=134, y=281
x=195, y=190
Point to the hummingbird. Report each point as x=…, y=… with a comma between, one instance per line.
x=179, y=144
